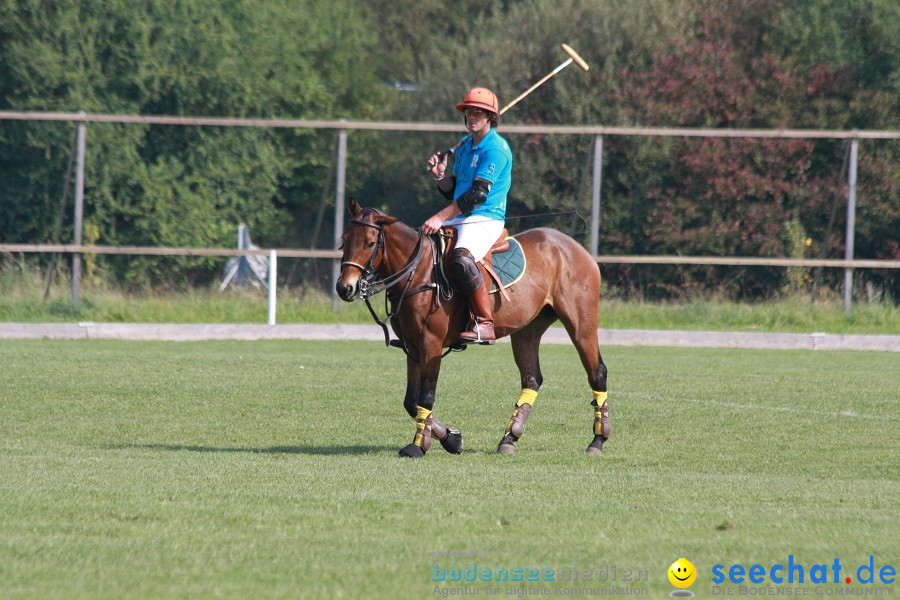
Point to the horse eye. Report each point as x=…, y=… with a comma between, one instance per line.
x=371, y=245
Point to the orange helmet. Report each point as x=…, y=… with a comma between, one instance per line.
x=482, y=98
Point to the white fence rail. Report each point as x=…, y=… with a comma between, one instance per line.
x=272, y=253
x=742, y=261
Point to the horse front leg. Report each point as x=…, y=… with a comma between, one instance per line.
x=450, y=439
x=419, y=404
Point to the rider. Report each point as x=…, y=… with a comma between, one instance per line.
x=477, y=188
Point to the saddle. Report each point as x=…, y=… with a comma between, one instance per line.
x=449, y=235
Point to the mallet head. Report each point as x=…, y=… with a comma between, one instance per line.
x=578, y=60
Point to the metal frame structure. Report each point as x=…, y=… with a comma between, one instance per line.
x=76, y=249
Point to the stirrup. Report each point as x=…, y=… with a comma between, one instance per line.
x=477, y=339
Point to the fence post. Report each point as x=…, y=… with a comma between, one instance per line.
x=851, y=224
x=273, y=284
x=339, y=214
x=595, y=194
x=79, y=210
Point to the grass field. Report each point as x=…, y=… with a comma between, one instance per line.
x=269, y=469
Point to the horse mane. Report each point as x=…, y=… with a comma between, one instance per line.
x=368, y=212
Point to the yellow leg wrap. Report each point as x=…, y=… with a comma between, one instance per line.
x=527, y=397
x=601, y=412
x=422, y=415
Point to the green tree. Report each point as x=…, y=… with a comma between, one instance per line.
x=716, y=63
x=735, y=197
x=166, y=185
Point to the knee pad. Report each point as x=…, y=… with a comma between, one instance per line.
x=463, y=272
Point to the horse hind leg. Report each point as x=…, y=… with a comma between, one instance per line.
x=602, y=429
x=580, y=321
x=596, y=370
x=525, y=344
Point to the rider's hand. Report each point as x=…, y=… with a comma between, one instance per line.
x=437, y=165
x=432, y=225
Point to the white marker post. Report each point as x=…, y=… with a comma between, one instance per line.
x=273, y=272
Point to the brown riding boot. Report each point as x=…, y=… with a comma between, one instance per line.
x=482, y=332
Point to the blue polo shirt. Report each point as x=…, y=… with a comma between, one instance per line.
x=490, y=160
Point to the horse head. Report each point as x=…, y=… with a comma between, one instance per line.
x=363, y=247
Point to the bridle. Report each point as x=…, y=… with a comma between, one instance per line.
x=368, y=278
x=370, y=285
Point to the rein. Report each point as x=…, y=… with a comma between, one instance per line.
x=370, y=286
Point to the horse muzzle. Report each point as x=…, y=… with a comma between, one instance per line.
x=347, y=290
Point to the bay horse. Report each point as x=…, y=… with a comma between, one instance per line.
x=562, y=281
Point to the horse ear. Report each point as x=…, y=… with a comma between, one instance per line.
x=354, y=208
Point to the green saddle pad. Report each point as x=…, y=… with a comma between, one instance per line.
x=509, y=265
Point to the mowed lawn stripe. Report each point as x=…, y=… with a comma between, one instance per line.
x=233, y=469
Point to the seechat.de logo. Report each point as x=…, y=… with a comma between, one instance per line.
x=794, y=572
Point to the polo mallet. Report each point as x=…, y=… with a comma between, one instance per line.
x=573, y=57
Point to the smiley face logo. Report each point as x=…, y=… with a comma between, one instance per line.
x=682, y=573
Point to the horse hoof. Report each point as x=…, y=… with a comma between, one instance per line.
x=453, y=442
x=596, y=447
x=412, y=451
x=506, y=449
